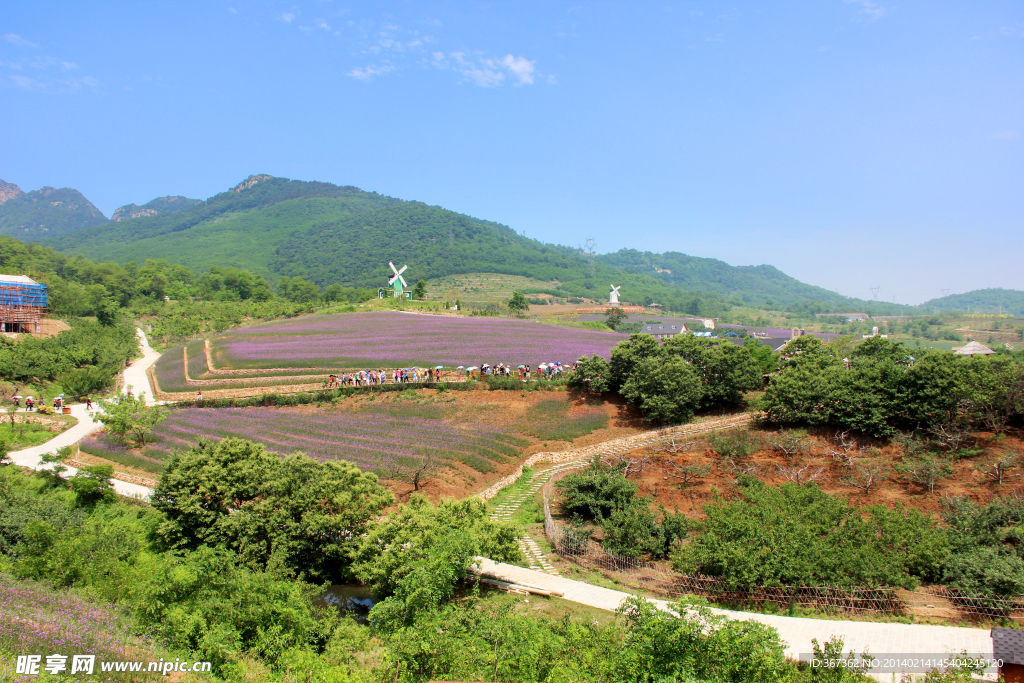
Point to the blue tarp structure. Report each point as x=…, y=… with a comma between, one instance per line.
x=18, y=290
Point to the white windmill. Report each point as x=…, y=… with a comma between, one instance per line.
x=613, y=298
x=396, y=282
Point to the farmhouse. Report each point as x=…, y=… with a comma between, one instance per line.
x=664, y=330
x=22, y=304
x=1008, y=647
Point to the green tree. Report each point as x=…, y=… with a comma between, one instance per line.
x=126, y=417
x=290, y=511
x=591, y=374
x=420, y=290
x=615, y=317
x=92, y=485
x=518, y=304
x=417, y=556
x=666, y=391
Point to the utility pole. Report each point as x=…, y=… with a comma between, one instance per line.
x=945, y=292
x=874, y=292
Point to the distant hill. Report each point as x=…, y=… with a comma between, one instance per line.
x=153, y=208
x=45, y=213
x=331, y=234
x=993, y=300
x=757, y=285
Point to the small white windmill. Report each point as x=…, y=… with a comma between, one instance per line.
x=396, y=282
x=613, y=298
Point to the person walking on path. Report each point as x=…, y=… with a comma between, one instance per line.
x=88, y=403
x=199, y=396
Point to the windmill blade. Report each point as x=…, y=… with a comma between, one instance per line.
x=395, y=270
x=402, y=270
x=404, y=283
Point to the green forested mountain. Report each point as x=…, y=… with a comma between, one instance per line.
x=47, y=213
x=329, y=234
x=157, y=206
x=759, y=285
x=995, y=300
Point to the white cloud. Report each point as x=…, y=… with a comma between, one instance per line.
x=872, y=10
x=1015, y=30
x=521, y=67
x=15, y=39
x=1007, y=135
x=487, y=72
x=287, y=17
x=367, y=73
x=320, y=23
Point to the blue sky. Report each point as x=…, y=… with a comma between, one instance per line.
x=852, y=144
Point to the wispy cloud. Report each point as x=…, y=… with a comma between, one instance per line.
x=366, y=73
x=870, y=9
x=15, y=39
x=387, y=47
x=1006, y=135
x=487, y=72
x=1014, y=30
x=44, y=73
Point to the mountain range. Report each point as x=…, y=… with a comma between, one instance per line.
x=341, y=234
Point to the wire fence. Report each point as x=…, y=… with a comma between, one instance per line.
x=660, y=579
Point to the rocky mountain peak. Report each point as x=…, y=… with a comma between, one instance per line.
x=250, y=181
x=9, y=191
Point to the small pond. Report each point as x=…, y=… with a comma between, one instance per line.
x=355, y=601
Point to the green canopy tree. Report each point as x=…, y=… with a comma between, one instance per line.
x=291, y=512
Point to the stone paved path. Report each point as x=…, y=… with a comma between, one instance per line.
x=796, y=632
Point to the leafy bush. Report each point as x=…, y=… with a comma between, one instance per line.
x=737, y=443
x=595, y=492
x=799, y=535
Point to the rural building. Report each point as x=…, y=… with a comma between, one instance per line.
x=974, y=349
x=22, y=304
x=849, y=317
x=664, y=330
x=1008, y=646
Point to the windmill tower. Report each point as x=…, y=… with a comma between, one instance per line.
x=396, y=282
x=613, y=297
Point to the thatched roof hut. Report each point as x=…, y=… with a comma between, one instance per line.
x=974, y=349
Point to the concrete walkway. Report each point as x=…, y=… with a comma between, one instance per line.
x=135, y=376
x=796, y=632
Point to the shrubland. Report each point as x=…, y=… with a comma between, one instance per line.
x=242, y=598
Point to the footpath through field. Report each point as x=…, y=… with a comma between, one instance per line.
x=134, y=376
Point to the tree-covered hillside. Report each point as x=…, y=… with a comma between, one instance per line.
x=762, y=285
x=342, y=235
x=47, y=213
x=995, y=300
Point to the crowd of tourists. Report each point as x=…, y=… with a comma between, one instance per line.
x=369, y=378
x=31, y=404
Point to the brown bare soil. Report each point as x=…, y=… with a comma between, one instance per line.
x=653, y=470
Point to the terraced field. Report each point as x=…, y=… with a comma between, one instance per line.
x=380, y=440
x=303, y=351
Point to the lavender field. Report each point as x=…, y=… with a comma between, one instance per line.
x=379, y=441
x=35, y=619
x=367, y=340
